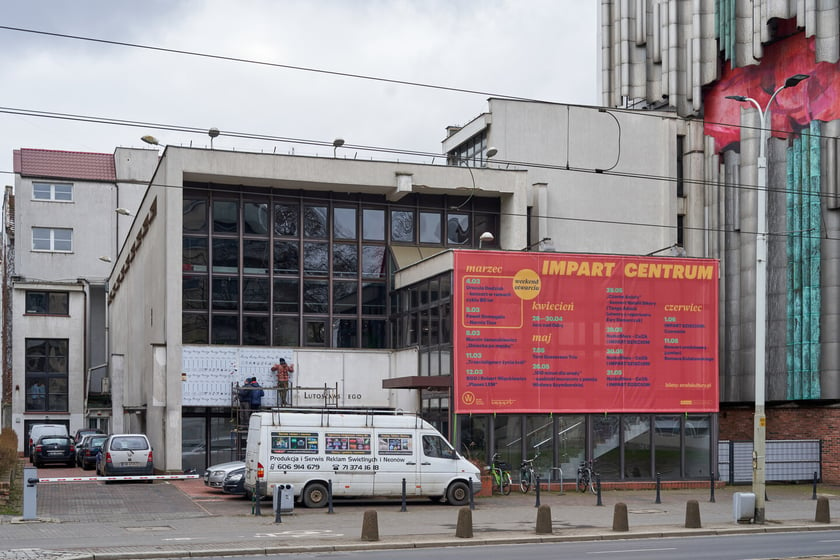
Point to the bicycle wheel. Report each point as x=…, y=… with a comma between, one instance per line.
x=592, y=483
x=506, y=483
x=582, y=480
x=525, y=480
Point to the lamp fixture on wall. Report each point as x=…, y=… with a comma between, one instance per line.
x=486, y=236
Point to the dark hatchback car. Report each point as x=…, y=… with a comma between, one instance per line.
x=234, y=482
x=54, y=449
x=87, y=450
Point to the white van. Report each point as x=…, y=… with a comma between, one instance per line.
x=39, y=430
x=361, y=454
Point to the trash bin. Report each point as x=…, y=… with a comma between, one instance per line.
x=743, y=506
x=284, y=498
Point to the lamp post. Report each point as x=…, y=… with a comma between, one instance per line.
x=759, y=420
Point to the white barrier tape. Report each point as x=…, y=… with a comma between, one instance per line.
x=97, y=478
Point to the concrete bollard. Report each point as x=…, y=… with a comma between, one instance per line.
x=544, y=520
x=370, y=526
x=692, y=514
x=464, y=529
x=620, y=518
x=823, y=514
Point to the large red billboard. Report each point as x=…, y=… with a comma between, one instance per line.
x=552, y=332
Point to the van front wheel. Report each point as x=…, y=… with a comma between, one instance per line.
x=458, y=494
x=315, y=495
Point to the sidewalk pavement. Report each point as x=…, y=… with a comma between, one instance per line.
x=184, y=518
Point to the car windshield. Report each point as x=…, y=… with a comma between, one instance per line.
x=96, y=441
x=54, y=440
x=129, y=443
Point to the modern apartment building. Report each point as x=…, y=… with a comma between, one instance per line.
x=761, y=78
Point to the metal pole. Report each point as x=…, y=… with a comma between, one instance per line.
x=472, y=495
x=537, y=489
x=329, y=498
x=712, y=487
x=402, y=508
x=658, y=482
x=598, y=488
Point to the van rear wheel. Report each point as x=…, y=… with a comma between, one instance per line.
x=315, y=495
x=458, y=494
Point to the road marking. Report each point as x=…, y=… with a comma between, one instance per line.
x=298, y=534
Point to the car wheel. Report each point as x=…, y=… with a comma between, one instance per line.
x=315, y=495
x=36, y=463
x=458, y=493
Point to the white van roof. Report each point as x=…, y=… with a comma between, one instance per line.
x=343, y=419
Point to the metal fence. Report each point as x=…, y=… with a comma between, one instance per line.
x=786, y=460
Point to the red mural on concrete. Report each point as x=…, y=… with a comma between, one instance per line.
x=817, y=98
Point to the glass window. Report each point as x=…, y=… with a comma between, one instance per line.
x=286, y=296
x=255, y=218
x=225, y=293
x=571, y=442
x=286, y=257
x=195, y=294
x=225, y=329
x=226, y=255
x=345, y=333
x=605, y=440
x=46, y=374
x=344, y=298
x=195, y=254
x=636, y=432
x=255, y=293
x=345, y=260
x=666, y=443
x=53, y=192
x=47, y=303
x=344, y=223
x=286, y=331
x=255, y=331
x=316, y=259
x=373, y=224
x=286, y=218
x=316, y=296
x=374, y=298
x=373, y=261
x=315, y=222
x=374, y=333
x=697, y=445
x=195, y=215
x=458, y=229
x=255, y=256
x=194, y=328
x=225, y=216
x=402, y=226
x=315, y=334
x=430, y=230
x=52, y=239
x=487, y=223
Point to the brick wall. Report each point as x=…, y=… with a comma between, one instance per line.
x=820, y=423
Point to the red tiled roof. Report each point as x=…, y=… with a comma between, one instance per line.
x=87, y=166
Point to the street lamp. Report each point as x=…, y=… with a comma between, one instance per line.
x=760, y=421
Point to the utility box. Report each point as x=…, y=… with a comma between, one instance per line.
x=284, y=498
x=743, y=506
x=30, y=493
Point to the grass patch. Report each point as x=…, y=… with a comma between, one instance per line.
x=14, y=506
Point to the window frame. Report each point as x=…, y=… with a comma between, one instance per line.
x=48, y=299
x=52, y=192
x=52, y=240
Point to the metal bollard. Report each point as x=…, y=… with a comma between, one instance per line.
x=329, y=498
x=276, y=504
x=402, y=508
x=255, y=507
x=658, y=483
x=472, y=495
x=537, y=489
x=30, y=494
x=814, y=496
x=598, y=488
x=712, y=487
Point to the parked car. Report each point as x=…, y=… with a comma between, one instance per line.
x=54, y=449
x=37, y=431
x=214, y=476
x=88, y=449
x=81, y=433
x=234, y=482
x=125, y=455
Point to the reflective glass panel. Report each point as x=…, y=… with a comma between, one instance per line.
x=315, y=222
x=373, y=224
x=402, y=226
x=286, y=218
x=225, y=216
x=344, y=223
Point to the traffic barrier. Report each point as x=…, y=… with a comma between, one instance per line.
x=99, y=478
x=823, y=513
x=620, y=522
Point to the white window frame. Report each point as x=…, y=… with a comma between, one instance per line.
x=52, y=192
x=53, y=240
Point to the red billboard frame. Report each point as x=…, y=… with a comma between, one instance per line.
x=575, y=333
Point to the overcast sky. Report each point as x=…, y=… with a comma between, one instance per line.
x=538, y=49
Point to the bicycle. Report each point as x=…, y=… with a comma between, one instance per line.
x=527, y=475
x=586, y=476
x=501, y=474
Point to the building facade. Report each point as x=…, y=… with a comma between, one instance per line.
x=706, y=61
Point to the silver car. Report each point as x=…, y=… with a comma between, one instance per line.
x=214, y=475
x=125, y=455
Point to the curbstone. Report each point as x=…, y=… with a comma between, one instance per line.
x=620, y=522
x=370, y=526
x=464, y=529
x=692, y=515
x=544, y=520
